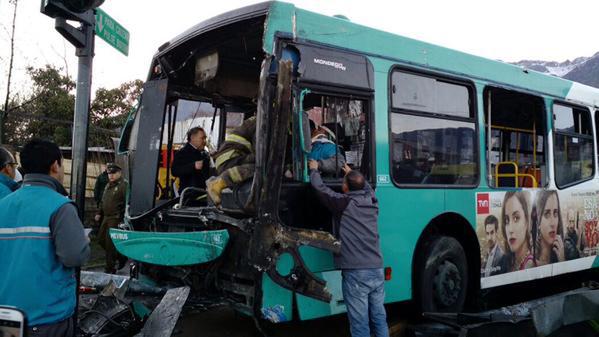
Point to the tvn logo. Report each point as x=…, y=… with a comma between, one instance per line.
x=482, y=203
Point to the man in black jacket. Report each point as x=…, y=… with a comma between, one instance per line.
x=355, y=212
x=192, y=162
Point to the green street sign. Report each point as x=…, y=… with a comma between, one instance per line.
x=112, y=32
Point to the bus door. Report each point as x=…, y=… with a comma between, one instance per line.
x=331, y=114
x=333, y=129
x=331, y=123
x=142, y=136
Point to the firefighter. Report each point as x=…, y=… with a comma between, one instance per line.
x=111, y=213
x=235, y=160
x=8, y=169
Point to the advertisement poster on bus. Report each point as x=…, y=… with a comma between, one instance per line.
x=529, y=229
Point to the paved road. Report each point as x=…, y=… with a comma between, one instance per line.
x=225, y=322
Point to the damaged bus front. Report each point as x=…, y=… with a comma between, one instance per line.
x=216, y=75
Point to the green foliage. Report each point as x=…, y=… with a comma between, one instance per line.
x=110, y=108
x=47, y=110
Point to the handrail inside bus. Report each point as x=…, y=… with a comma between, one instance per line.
x=514, y=175
x=300, y=114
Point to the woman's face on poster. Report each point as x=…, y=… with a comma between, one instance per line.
x=549, y=220
x=515, y=224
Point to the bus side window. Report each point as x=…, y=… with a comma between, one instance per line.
x=516, y=153
x=597, y=130
x=339, y=130
x=433, y=137
x=573, y=145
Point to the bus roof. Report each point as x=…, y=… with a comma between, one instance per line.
x=240, y=14
x=287, y=20
x=306, y=25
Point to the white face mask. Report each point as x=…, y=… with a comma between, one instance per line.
x=18, y=176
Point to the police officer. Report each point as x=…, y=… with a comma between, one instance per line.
x=43, y=241
x=8, y=170
x=100, y=186
x=235, y=160
x=111, y=213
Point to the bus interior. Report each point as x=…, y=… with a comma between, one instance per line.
x=216, y=86
x=516, y=132
x=346, y=121
x=212, y=82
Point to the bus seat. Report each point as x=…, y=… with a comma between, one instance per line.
x=506, y=167
x=444, y=174
x=407, y=172
x=527, y=181
x=233, y=200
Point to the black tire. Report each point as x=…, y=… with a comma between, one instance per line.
x=441, y=279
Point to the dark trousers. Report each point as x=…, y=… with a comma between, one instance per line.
x=64, y=328
x=112, y=256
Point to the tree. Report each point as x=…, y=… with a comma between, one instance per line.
x=110, y=109
x=47, y=111
x=4, y=112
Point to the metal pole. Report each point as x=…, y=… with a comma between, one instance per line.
x=81, y=118
x=489, y=140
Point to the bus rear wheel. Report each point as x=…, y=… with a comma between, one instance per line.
x=442, y=276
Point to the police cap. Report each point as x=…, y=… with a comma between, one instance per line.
x=112, y=168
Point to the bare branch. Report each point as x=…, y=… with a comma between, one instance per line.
x=12, y=54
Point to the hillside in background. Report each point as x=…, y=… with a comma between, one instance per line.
x=582, y=69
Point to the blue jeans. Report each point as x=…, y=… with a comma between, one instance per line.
x=364, y=295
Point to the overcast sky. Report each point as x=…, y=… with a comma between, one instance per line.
x=509, y=30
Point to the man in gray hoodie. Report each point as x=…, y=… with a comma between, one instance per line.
x=355, y=212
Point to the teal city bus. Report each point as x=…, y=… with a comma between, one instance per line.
x=485, y=172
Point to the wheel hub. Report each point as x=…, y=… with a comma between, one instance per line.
x=447, y=283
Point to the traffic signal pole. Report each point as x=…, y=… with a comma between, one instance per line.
x=81, y=117
x=83, y=39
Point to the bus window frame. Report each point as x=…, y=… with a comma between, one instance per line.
x=341, y=92
x=595, y=116
x=592, y=137
x=546, y=128
x=473, y=106
x=283, y=40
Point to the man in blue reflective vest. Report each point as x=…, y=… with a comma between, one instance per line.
x=8, y=169
x=43, y=241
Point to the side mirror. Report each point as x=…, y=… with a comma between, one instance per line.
x=12, y=322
